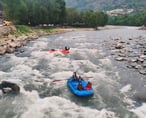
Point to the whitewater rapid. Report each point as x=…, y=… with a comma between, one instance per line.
x=34, y=69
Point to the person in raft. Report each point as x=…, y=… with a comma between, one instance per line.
x=8, y=87
x=80, y=79
x=52, y=49
x=75, y=76
x=88, y=86
x=66, y=48
x=80, y=87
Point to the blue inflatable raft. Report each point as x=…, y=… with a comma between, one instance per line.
x=73, y=86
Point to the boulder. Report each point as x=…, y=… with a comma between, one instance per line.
x=2, y=49
x=119, y=46
x=120, y=59
x=142, y=71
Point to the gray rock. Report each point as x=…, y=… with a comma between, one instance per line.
x=133, y=60
x=122, y=55
x=132, y=65
x=142, y=71
x=144, y=65
x=119, y=46
x=138, y=66
x=140, y=60
x=143, y=56
x=2, y=49
x=120, y=59
x=144, y=52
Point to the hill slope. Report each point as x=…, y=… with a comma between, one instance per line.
x=137, y=5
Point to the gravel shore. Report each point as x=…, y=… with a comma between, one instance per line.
x=9, y=42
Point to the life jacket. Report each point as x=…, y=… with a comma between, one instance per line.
x=88, y=86
x=80, y=87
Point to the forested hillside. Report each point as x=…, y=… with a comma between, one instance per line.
x=137, y=5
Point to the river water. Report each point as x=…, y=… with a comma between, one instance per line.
x=118, y=91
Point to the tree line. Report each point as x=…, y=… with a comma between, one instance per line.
x=35, y=12
x=137, y=19
x=85, y=18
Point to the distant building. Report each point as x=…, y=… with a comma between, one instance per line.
x=117, y=12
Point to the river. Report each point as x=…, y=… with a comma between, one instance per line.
x=119, y=92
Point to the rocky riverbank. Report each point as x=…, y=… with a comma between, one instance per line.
x=132, y=52
x=9, y=43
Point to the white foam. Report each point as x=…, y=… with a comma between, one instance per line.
x=17, y=60
x=40, y=45
x=61, y=75
x=106, y=61
x=126, y=89
x=140, y=111
x=56, y=107
x=2, y=73
x=22, y=70
x=59, y=63
x=84, y=51
x=41, y=54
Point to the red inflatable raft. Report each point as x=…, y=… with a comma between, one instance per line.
x=63, y=51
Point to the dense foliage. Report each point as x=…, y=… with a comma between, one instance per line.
x=130, y=20
x=85, y=18
x=34, y=12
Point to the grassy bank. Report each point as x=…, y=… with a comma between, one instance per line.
x=19, y=30
x=27, y=30
x=14, y=32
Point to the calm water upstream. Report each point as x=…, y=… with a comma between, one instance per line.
x=119, y=92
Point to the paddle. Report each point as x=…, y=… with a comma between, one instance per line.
x=57, y=80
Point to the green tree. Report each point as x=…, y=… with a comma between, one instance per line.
x=94, y=19
x=35, y=12
x=71, y=16
x=102, y=18
x=130, y=20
